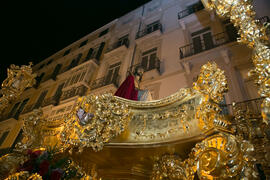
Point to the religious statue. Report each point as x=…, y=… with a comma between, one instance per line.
x=130, y=88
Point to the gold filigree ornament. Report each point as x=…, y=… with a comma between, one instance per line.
x=212, y=84
x=33, y=126
x=18, y=79
x=252, y=34
x=9, y=163
x=94, y=121
x=221, y=156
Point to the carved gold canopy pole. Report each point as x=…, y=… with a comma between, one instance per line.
x=252, y=34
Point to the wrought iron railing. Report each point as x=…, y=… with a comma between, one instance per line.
x=104, y=81
x=252, y=106
x=76, y=91
x=118, y=44
x=195, y=8
x=155, y=65
x=216, y=40
x=155, y=27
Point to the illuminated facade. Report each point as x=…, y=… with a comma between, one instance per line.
x=170, y=39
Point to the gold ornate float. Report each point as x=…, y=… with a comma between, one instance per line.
x=181, y=136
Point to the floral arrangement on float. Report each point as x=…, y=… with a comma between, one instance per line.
x=38, y=164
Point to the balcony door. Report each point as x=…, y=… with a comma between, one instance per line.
x=122, y=41
x=149, y=59
x=112, y=74
x=202, y=40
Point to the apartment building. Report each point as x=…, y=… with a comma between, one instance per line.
x=170, y=39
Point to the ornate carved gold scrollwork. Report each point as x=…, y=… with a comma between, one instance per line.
x=94, y=121
x=212, y=84
x=221, y=156
x=18, y=79
x=252, y=34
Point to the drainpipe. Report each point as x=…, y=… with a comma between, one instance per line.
x=135, y=47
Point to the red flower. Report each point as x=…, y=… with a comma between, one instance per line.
x=35, y=154
x=56, y=174
x=44, y=167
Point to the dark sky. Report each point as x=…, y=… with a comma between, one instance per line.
x=34, y=30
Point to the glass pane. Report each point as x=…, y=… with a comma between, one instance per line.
x=145, y=62
x=152, y=61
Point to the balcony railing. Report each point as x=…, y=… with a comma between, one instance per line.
x=77, y=91
x=49, y=101
x=195, y=8
x=149, y=29
x=104, y=81
x=252, y=106
x=215, y=41
x=118, y=44
x=28, y=108
x=155, y=65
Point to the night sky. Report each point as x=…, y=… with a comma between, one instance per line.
x=34, y=30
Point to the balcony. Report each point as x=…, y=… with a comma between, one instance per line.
x=50, y=101
x=149, y=67
x=117, y=45
x=104, y=81
x=215, y=41
x=192, y=9
x=150, y=29
x=76, y=91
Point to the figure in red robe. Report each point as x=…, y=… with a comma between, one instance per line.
x=130, y=88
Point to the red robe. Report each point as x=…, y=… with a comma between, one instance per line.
x=127, y=89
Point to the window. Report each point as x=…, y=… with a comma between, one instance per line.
x=99, y=52
x=202, y=40
x=38, y=79
x=75, y=61
x=123, y=41
x=40, y=99
x=66, y=52
x=3, y=137
x=153, y=27
x=83, y=43
x=56, y=71
x=112, y=76
x=58, y=93
x=103, y=32
x=230, y=30
x=89, y=54
x=13, y=110
x=41, y=66
x=149, y=59
x=50, y=61
x=21, y=108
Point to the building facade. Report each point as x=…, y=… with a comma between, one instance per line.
x=170, y=39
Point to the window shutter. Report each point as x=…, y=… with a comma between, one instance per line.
x=197, y=44
x=144, y=62
x=89, y=54
x=56, y=71
x=21, y=108
x=208, y=41
x=100, y=50
x=152, y=63
x=40, y=99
